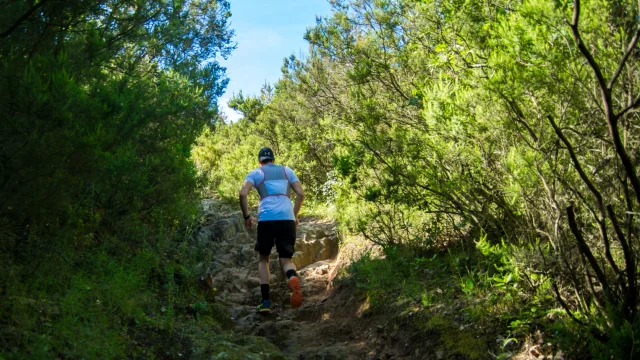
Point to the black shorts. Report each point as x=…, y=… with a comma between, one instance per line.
x=282, y=232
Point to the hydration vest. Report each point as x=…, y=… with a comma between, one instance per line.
x=273, y=172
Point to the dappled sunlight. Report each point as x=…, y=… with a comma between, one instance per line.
x=465, y=179
x=365, y=306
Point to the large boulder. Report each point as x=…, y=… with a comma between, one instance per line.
x=325, y=353
x=314, y=243
x=242, y=238
x=221, y=230
x=225, y=229
x=210, y=207
x=204, y=236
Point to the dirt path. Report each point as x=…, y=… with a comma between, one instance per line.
x=329, y=324
x=334, y=322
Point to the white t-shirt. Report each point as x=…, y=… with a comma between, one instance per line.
x=274, y=207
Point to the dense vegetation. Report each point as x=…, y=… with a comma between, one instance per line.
x=488, y=147
x=101, y=102
x=500, y=132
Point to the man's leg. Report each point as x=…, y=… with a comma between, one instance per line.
x=289, y=270
x=263, y=274
x=264, y=246
x=285, y=243
x=286, y=265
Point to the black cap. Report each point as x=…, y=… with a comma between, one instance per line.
x=265, y=154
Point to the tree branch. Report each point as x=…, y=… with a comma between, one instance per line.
x=633, y=105
x=585, y=52
x=519, y=115
x=22, y=19
x=612, y=118
x=632, y=46
x=584, y=249
x=630, y=302
x=565, y=306
x=576, y=163
x=601, y=218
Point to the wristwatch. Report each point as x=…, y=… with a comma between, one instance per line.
x=247, y=217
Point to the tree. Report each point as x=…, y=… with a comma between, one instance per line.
x=449, y=120
x=101, y=102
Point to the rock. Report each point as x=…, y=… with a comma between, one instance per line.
x=317, y=268
x=276, y=332
x=559, y=356
x=301, y=259
x=535, y=351
x=252, y=282
x=217, y=267
x=310, y=249
x=210, y=207
x=243, y=256
x=202, y=270
x=256, y=293
x=313, y=287
x=224, y=229
x=249, y=320
x=241, y=238
x=204, y=235
x=274, y=267
x=231, y=267
x=239, y=312
x=249, y=252
x=325, y=353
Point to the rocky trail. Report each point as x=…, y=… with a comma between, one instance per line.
x=329, y=324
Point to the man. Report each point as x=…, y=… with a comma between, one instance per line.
x=277, y=221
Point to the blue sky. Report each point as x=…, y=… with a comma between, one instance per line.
x=266, y=31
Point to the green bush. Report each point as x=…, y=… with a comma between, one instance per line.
x=101, y=104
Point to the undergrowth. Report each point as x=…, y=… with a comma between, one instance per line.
x=112, y=304
x=476, y=302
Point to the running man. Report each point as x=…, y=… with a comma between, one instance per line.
x=277, y=221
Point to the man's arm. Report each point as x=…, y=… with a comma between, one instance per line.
x=297, y=187
x=244, y=203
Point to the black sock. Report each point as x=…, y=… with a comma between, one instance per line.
x=264, y=288
x=291, y=273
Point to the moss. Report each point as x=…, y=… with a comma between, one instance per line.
x=437, y=323
x=465, y=343
x=236, y=347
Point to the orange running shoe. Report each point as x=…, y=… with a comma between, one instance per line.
x=296, y=293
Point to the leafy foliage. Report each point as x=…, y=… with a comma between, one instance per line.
x=434, y=123
x=101, y=103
